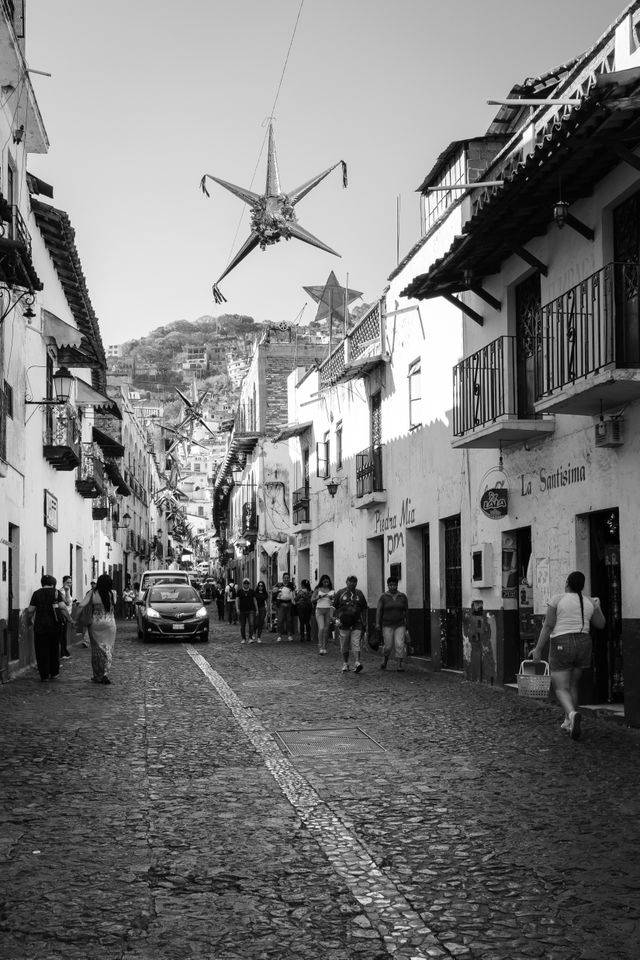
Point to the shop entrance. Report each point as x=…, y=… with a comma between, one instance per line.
x=451, y=644
x=520, y=633
x=604, y=550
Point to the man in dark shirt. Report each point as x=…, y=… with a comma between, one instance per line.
x=247, y=608
x=350, y=608
x=46, y=629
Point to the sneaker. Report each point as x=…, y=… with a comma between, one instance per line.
x=243, y=641
x=258, y=640
x=345, y=667
x=290, y=639
x=66, y=656
x=358, y=667
x=575, y=721
x=278, y=639
x=250, y=640
x=565, y=725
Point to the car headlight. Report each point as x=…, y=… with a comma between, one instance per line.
x=152, y=614
x=201, y=613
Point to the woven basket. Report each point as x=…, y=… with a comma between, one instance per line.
x=532, y=684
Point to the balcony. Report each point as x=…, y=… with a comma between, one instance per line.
x=485, y=400
x=61, y=441
x=360, y=352
x=588, y=354
x=90, y=482
x=101, y=508
x=249, y=519
x=301, y=506
x=370, y=490
x=16, y=264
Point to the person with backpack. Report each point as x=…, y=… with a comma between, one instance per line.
x=247, y=610
x=350, y=609
x=230, y=594
x=45, y=612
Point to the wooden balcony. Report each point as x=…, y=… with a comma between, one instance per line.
x=90, y=482
x=361, y=351
x=370, y=490
x=485, y=400
x=16, y=263
x=301, y=506
x=588, y=351
x=61, y=441
x=101, y=508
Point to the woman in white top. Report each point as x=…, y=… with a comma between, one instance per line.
x=322, y=599
x=566, y=625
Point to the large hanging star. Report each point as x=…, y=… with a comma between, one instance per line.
x=272, y=213
x=331, y=298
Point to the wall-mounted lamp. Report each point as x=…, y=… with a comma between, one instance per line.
x=332, y=486
x=126, y=522
x=13, y=301
x=561, y=213
x=62, y=383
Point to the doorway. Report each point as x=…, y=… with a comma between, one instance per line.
x=626, y=254
x=605, y=571
x=423, y=647
x=325, y=561
x=520, y=631
x=451, y=644
x=528, y=300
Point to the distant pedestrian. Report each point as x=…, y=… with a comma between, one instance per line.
x=391, y=618
x=350, y=607
x=41, y=613
x=322, y=599
x=218, y=596
x=566, y=625
x=262, y=598
x=128, y=599
x=247, y=609
x=304, y=609
x=102, y=627
x=66, y=627
x=230, y=593
x=282, y=596
x=92, y=586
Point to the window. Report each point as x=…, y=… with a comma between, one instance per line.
x=201, y=511
x=322, y=456
x=196, y=466
x=339, y=445
x=415, y=393
x=8, y=400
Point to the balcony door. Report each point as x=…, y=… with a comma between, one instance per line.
x=451, y=644
x=528, y=303
x=626, y=250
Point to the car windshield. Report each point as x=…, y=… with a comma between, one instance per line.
x=168, y=593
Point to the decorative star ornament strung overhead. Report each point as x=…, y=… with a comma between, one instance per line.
x=331, y=298
x=273, y=215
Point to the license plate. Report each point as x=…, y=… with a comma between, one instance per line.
x=178, y=626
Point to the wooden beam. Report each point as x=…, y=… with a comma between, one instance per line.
x=624, y=153
x=579, y=227
x=531, y=260
x=449, y=297
x=487, y=297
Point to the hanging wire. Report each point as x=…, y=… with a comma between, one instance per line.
x=265, y=124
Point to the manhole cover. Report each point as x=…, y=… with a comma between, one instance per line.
x=327, y=741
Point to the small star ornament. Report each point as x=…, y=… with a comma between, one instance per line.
x=273, y=215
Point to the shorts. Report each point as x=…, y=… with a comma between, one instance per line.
x=570, y=650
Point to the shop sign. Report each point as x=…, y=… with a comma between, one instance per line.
x=494, y=503
x=50, y=511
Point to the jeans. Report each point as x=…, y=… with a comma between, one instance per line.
x=285, y=619
x=304, y=618
x=323, y=617
x=246, y=617
x=262, y=612
x=393, y=638
x=232, y=613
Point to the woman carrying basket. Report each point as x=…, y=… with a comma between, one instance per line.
x=567, y=623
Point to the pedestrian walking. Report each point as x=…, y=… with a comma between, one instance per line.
x=92, y=586
x=350, y=608
x=218, y=596
x=247, y=609
x=66, y=626
x=45, y=612
x=282, y=596
x=302, y=598
x=391, y=618
x=262, y=597
x=230, y=593
x=567, y=625
x=102, y=627
x=322, y=598
x=128, y=599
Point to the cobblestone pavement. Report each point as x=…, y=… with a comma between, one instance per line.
x=226, y=801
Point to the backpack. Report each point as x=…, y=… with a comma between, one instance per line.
x=349, y=613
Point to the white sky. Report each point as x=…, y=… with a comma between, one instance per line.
x=147, y=95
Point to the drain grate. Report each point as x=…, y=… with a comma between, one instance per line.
x=327, y=741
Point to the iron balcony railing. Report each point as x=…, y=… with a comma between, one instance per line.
x=101, y=507
x=300, y=504
x=61, y=430
x=582, y=330
x=91, y=465
x=249, y=517
x=17, y=228
x=484, y=386
x=369, y=328
x=369, y=471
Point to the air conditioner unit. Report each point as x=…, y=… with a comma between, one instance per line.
x=609, y=432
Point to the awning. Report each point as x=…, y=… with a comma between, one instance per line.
x=63, y=333
x=86, y=395
x=109, y=446
x=292, y=430
x=113, y=472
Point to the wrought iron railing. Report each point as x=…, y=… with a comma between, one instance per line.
x=91, y=465
x=582, y=330
x=249, y=517
x=369, y=471
x=17, y=227
x=300, y=504
x=484, y=386
x=61, y=430
x=101, y=507
x=368, y=329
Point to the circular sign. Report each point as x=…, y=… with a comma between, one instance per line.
x=494, y=503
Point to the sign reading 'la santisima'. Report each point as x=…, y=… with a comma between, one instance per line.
x=549, y=480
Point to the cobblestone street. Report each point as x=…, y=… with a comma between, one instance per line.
x=226, y=801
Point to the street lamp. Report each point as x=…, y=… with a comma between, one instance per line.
x=126, y=522
x=62, y=383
